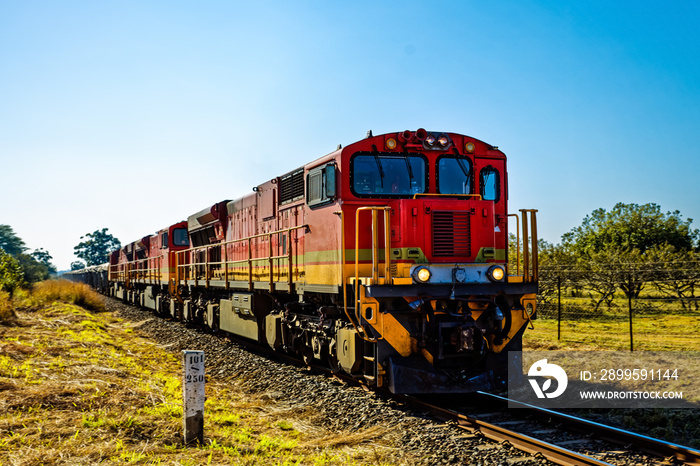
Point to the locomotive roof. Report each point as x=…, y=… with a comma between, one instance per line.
x=207, y=216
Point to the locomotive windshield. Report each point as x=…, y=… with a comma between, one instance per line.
x=454, y=175
x=376, y=174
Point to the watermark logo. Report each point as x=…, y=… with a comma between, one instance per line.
x=543, y=369
x=604, y=379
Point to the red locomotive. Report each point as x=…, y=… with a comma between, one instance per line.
x=386, y=259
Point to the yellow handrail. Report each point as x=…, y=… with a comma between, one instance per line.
x=343, y=278
x=189, y=266
x=417, y=195
x=375, y=254
x=375, y=243
x=517, y=242
x=530, y=265
x=135, y=270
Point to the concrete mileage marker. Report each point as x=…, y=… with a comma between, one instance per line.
x=193, y=396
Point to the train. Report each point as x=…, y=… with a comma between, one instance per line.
x=391, y=260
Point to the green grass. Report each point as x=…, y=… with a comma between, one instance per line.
x=650, y=333
x=657, y=325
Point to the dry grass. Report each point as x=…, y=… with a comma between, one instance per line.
x=81, y=388
x=7, y=311
x=68, y=292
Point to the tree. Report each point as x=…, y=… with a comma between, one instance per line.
x=43, y=257
x=613, y=249
x=11, y=275
x=10, y=242
x=77, y=265
x=516, y=257
x=95, y=248
x=35, y=266
x=677, y=275
x=628, y=227
x=34, y=271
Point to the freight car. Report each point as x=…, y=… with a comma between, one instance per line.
x=386, y=259
x=94, y=276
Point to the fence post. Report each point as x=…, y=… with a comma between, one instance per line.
x=629, y=304
x=559, y=307
x=193, y=396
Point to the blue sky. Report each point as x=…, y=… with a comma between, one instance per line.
x=132, y=115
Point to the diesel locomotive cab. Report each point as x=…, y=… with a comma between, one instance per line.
x=433, y=294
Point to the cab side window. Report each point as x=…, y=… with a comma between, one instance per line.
x=180, y=237
x=489, y=183
x=320, y=183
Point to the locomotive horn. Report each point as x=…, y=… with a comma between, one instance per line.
x=421, y=134
x=404, y=136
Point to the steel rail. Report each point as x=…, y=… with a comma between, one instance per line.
x=616, y=435
x=553, y=453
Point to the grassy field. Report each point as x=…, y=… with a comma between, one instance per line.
x=650, y=333
x=79, y=387
x=658, y=324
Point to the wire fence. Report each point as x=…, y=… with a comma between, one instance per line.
x=653, y=306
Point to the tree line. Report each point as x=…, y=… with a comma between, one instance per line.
x=630, y=249
x=19, y=268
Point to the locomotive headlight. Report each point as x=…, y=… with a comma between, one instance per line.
x=422, y=274
x=390, y=143
x=430, y=140
x=442, y=141
x=496, y=273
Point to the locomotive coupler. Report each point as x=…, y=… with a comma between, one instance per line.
x=458, y=275
x=463, y=339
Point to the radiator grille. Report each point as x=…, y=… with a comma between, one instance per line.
x=451, y=234
x=292, y=187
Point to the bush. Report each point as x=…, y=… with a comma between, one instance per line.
x=11, y=275
x=69, y=292
x=7, y=312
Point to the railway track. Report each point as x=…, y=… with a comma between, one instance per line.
x=595, y=441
